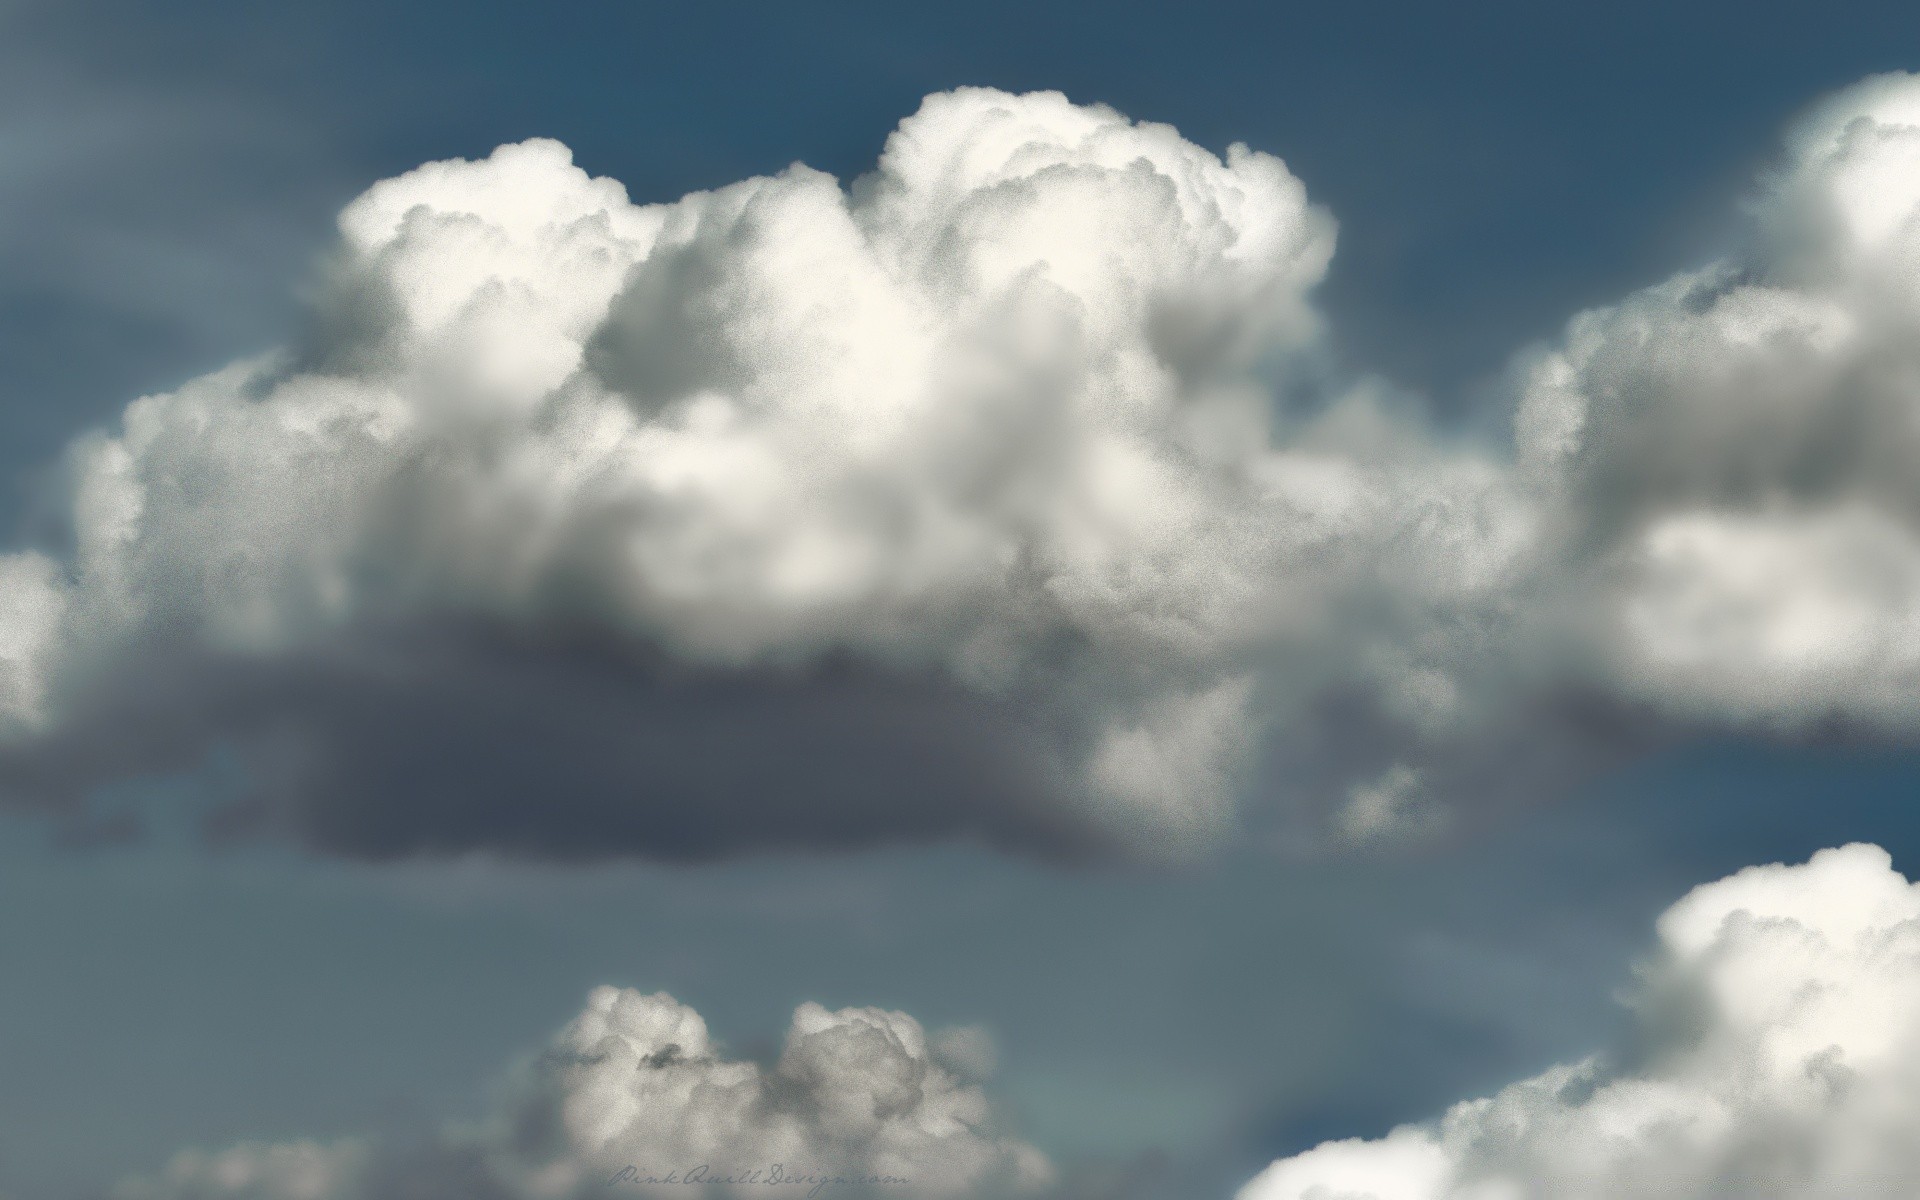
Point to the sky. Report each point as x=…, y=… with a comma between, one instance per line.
x=1293, y=791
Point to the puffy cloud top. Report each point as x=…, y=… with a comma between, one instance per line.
x=634, y=1081
x=1781, y=1014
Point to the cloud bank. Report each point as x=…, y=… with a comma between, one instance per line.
x=1001, y=494
x=1781, y=1016
x=857, y=1095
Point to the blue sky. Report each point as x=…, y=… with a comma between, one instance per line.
x=169, y=179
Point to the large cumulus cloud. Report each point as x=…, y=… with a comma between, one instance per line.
x=1781, y=1060
x=1006, y=493
x=949, y=503
x=860, y=1102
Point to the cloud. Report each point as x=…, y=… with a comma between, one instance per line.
x=1781, y=1059
x=1388, y=807
x=1006, y=493
x=1713, y=480
x=303, y=1170
x=947, y=504
x=1727, y=453
x=635, y=1080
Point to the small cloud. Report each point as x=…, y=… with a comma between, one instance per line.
x=1392, y=806
x=633, y=1091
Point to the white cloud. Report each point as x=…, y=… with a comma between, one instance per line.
x=969, y=500
x=1781, y=1022
x=1730, y=452
x=987, y=441
x=30, y=604
x=1758, y=612
x=636, y=1081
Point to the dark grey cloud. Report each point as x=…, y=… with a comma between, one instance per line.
x=438, y=739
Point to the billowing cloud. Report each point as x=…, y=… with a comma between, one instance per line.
x=1001, y=494
x=1729, y=454
x=947, y=504
x=1780, y=1018
x=633, y=1091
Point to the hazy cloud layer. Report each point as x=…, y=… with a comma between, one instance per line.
x=1781, y=1021
x=635, y=1081
x=1000, y=494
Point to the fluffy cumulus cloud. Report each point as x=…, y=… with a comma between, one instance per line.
x=1716, y=475
x=1729, y=453
x=1002, y=493
x=1781, y=1016
x=633, y=1097
x=954, y=502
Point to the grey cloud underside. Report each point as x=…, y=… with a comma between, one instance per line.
x=959, y=503
x=442, y=739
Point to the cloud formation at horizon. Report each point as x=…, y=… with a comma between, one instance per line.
x=1775, y=1054
x=637, y=1081
x=1000, y=494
